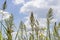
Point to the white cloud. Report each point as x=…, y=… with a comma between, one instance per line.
x=18, y=2
x=38, y=4
x=40, y=8
x=33, y=4
x=4, y=15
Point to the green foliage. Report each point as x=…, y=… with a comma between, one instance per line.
x=50, y=14
x=31, y=37
x=47, y=38
x=32, y=20
x=55, y=32
x=49, y=17
x=1, y=38
x=9, y=24
x=22, y=28
x=4, y=5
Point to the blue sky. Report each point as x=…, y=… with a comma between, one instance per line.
x=14, y=9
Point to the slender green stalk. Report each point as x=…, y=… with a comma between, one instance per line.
x=56, y=34
x=49, y=17
x=4, y=5
x=37, y=29
x=9, y=24
x=32, y=21
x=48, y=29
x=1, y=38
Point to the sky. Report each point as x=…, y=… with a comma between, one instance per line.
x=21, y=10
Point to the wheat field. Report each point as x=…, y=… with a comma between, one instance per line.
x=36, y=32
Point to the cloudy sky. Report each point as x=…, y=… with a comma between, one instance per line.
x=21, y=8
